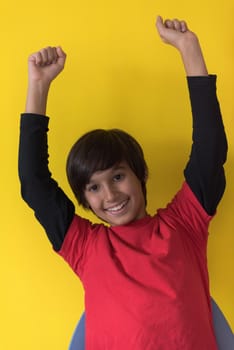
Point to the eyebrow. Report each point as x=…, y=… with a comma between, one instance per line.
x=116, y=167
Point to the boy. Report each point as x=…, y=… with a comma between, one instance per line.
x=145, y=277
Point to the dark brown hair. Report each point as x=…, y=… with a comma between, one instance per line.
x=100, y=150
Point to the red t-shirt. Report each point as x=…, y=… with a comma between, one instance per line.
x=146, y=284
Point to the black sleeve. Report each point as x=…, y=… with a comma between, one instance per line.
x=51, y=206
x=204, y=172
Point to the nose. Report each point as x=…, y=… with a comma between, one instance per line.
x=109, y=193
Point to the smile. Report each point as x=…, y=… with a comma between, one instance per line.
x=118, y=208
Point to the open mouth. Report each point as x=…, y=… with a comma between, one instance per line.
x=117, y=208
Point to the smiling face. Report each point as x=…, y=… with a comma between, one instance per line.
x=115, y=195
x=99, y=150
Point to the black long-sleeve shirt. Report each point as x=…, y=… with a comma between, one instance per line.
x=204, y=172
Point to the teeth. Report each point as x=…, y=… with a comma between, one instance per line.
x=118, y=207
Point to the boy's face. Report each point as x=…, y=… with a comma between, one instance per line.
x=115, y=195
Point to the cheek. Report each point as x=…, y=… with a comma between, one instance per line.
x=87, y=200
x=92, y=201
x=135, y=186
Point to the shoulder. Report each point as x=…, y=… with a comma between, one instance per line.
x=81, y=230
x=186, y=210
x=80, y=238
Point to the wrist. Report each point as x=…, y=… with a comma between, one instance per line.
x=39, y=86
x=188, y=42
x=192, y=56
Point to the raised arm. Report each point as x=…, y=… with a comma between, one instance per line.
x=204, y=172
x=43, y=67
x=177, y=34
x=51, y=206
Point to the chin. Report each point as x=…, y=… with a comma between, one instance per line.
x=121, y=221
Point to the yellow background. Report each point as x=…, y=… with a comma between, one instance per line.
x=118, y=74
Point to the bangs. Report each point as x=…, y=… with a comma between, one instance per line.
x=100, y=150
x=104, y=152
x=96, y=150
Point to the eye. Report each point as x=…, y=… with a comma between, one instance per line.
x=118, y=177
x=92, y=188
